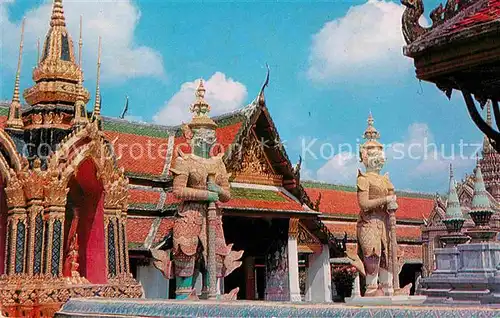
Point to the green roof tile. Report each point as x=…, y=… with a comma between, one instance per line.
x=256, y=194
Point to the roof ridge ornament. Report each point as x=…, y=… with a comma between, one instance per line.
x=261, y=97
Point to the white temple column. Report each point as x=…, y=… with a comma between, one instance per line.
x=356, y=287
x=198, y=284
x=152, y=280
x=319, y=279
x=293, y=269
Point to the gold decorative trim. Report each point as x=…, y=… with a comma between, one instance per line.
x=293, y=228
x=255, y=166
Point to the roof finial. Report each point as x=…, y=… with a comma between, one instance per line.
x=14, y=120
x=451, y=170
x=57, y=17
x=97, y=104
x=371, y=132
x=80, y=43
x=261, y=96
x=80, y=111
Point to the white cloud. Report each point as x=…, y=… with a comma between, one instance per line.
x=340, y=169
x=416, y=161
x=425, y=157
x=222, y=93
x=114, y=21
x=368, y=37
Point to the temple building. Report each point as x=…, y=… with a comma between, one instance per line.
x=434, y=228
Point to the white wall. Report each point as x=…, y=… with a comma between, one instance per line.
x=319, y=281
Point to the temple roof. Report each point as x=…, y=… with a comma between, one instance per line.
x=404, y=233
x=341, y=201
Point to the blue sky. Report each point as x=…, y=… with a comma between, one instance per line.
x=331, y=63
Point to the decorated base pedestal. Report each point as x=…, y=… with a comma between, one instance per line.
x=385, y=300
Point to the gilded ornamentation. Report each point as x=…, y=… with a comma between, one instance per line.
x=36, y=195
x=34, y=180
x=37, y=119
x=55, y=191
x=116, y=191
x=293, y=228
x=14, y=191
x=255, y=166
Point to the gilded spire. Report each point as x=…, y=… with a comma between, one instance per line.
x=57, y=17
x=14, y=121
x=56, y=75
x=80, y=111
x=80, y=44
x=371, y=132
x=97, y=103
x=200, y=109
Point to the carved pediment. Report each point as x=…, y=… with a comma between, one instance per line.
x=254, y=166
x=306, y=241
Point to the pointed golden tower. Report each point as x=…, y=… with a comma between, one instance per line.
x=14, y=120
x=56, y=78
x=96, y=115
x=80, y=109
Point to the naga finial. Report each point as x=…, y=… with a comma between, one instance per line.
x=412, y=29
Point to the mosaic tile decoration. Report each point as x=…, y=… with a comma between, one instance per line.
x=171, y=308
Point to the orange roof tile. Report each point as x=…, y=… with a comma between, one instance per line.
x=338, y=202
x=140, y=195
x=138, y=229
x=140, y=154
x=165, y=226
x=402, y=231
x=408, y=252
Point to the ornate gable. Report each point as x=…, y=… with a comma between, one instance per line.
x=306, y=241
x=437, y=213
x=254, y=166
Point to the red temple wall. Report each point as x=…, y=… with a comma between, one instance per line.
x=86, y=193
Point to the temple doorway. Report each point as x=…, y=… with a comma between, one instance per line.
x=84, y=225
x=255, y=236
x=3, y=226
x=408, y=274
